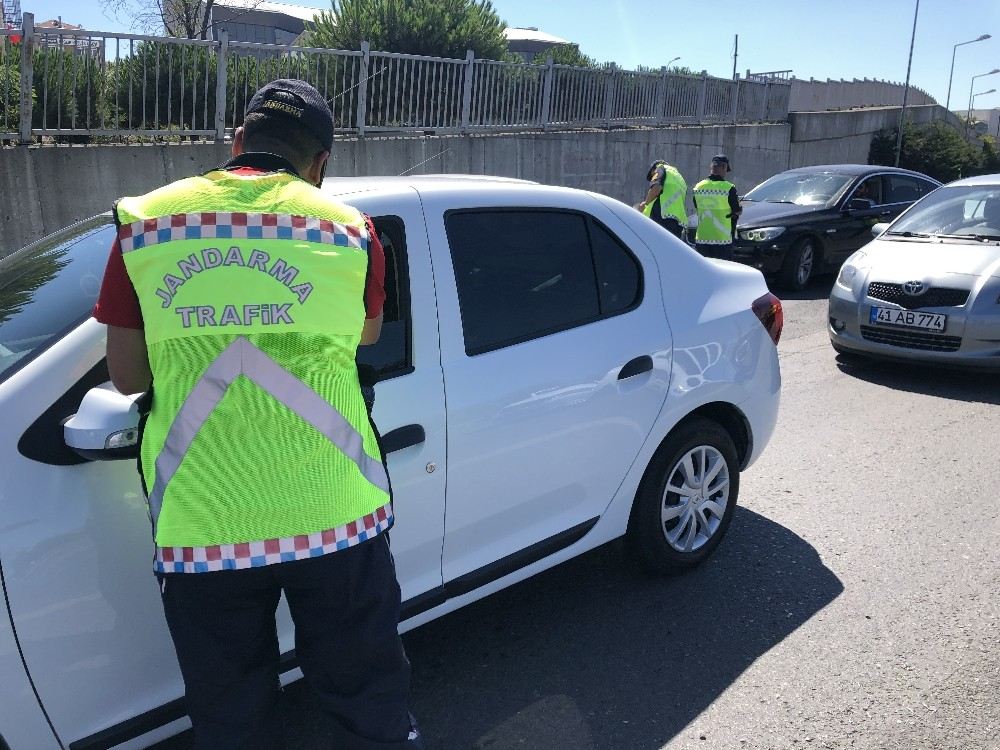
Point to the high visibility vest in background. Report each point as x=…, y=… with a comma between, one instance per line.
x=671, y=199
x=258, y=447
x=714, y=222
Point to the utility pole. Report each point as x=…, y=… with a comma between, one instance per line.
x=906, y=86
x=736, y=54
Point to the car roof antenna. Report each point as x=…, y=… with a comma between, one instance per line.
x=439, y=153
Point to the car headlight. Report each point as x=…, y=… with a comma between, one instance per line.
x=847, y=274
x=850, y=268
x=764, y=234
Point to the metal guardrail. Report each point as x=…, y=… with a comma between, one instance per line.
x=76, y=84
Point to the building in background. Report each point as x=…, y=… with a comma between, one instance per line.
x=985, y=121
x=49, y=38
x=261, y=21
x=528, y=41
x=10, y=14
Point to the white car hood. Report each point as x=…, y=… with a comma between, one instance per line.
x=906, y=260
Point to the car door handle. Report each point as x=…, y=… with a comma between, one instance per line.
x=403, y=437
x=636, y=366
x=885, y=213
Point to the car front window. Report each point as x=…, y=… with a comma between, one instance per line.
x=800, y=188
x=48, y=288
x=969, y=211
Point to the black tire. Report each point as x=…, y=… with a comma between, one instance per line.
x=799, y=264
x=648, y=531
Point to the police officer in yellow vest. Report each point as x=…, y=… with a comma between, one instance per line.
x=664, y=201
x=718, y=207
x=262, y=469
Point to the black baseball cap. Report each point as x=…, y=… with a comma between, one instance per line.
x=720, y=159
x=296, y=100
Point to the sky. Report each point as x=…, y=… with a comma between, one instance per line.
x=814, y=38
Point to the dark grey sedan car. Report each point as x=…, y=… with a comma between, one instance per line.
x=807, y=221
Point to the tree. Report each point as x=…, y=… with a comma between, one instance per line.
x=565, y=54
x=191, y=19
x=936, y=149
x=436, y=28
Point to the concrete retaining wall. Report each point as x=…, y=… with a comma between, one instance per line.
x=845, y=137
x=817, y=96
x=45, y=189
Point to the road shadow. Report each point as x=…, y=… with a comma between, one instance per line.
x=929, y=380
x=596, y=654
x=818, y=288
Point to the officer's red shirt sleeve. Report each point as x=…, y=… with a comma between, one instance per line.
x=118, y=304
x=375, y=291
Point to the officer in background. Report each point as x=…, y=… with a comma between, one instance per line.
x=718, y=207
x=664, y=201
x=242, y=295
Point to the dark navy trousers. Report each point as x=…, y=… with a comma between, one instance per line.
x=345, y=606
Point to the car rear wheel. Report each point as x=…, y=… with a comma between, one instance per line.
x=799, y=264
x=686, y=499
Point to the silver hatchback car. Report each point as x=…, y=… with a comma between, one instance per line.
x=928, y=286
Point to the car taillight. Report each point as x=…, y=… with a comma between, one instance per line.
x=769, y=313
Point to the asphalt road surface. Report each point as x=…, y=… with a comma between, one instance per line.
x=854, y=604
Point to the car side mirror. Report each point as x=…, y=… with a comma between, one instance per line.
x=105, y=427
x=877, y=229
x=860, y=204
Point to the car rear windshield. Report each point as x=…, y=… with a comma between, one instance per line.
x=48, y=288
x=971, y=211
x=800, y=188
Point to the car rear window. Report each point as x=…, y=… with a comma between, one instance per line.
x=48, y=288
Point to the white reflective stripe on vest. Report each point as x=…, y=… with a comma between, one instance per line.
x=243, y=358
x=728, y=229
x=667, y=202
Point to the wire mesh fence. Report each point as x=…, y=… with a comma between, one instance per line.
x=78, y=85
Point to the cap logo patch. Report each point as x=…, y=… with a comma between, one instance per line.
x=288, y=109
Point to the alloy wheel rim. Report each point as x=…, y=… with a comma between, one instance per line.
x=695, y=498
x=805, y=263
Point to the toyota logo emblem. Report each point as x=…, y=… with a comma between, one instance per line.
x=913, y=287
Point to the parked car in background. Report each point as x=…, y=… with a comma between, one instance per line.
x=602, y=379
x=807, y=221
x=928, y=287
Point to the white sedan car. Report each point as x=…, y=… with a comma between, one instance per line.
x=928, y=287
x=555, y=371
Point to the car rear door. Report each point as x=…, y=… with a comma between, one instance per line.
x=556, y=356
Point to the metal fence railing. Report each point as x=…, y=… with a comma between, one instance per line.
x=78, y=85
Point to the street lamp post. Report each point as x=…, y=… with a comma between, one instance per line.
x=968, y=115
x=672, y=61
x=954, y=49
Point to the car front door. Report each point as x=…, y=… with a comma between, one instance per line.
x=409, y=396
x=75, y=540
x=853, y=228
x=556, y=355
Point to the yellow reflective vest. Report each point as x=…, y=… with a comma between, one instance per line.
x=671, y=198
x=258, y=448
x=714, y=221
